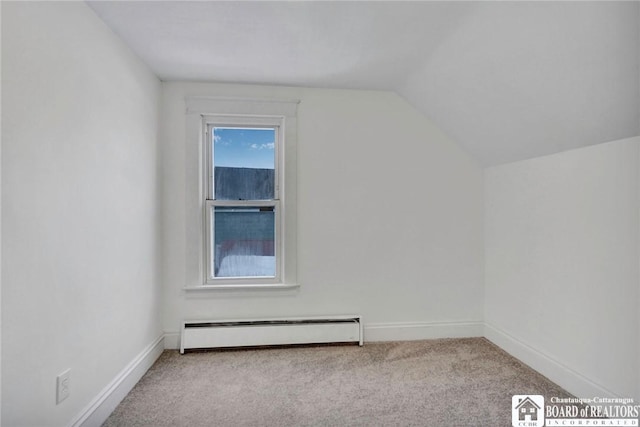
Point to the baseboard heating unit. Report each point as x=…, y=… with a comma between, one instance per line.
x=199, y=334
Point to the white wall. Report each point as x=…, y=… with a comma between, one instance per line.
x=80, y=198
x=389, y=213
x=0, y=219
x=562, y=271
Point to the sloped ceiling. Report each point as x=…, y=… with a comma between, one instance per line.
x=506, y=80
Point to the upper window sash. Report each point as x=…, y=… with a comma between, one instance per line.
x=220, y=121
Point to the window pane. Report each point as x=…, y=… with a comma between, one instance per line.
x=244, y=244
x=244, y=163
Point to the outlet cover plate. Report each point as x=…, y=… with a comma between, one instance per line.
x=62, y=386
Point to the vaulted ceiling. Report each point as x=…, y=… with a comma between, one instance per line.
x=506, y=80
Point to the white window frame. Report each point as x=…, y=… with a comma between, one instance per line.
x=243, y=122
x=201, y=112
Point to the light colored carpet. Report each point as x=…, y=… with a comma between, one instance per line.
x=447, y=382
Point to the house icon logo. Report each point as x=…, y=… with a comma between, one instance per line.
x=527, y=411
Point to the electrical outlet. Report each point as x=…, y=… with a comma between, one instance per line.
x=62, y=386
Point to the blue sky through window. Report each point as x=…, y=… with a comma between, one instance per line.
x=244, y=148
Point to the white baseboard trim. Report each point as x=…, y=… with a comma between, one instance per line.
x=411, y=331
x=103, y=405
x=572, y=381
x=171, y=340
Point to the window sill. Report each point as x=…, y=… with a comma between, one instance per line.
x=240, y=287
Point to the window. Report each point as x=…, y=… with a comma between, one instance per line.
x=241, y=202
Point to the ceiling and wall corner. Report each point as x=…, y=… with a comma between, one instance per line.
x=523, y=80
x=506, y=80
